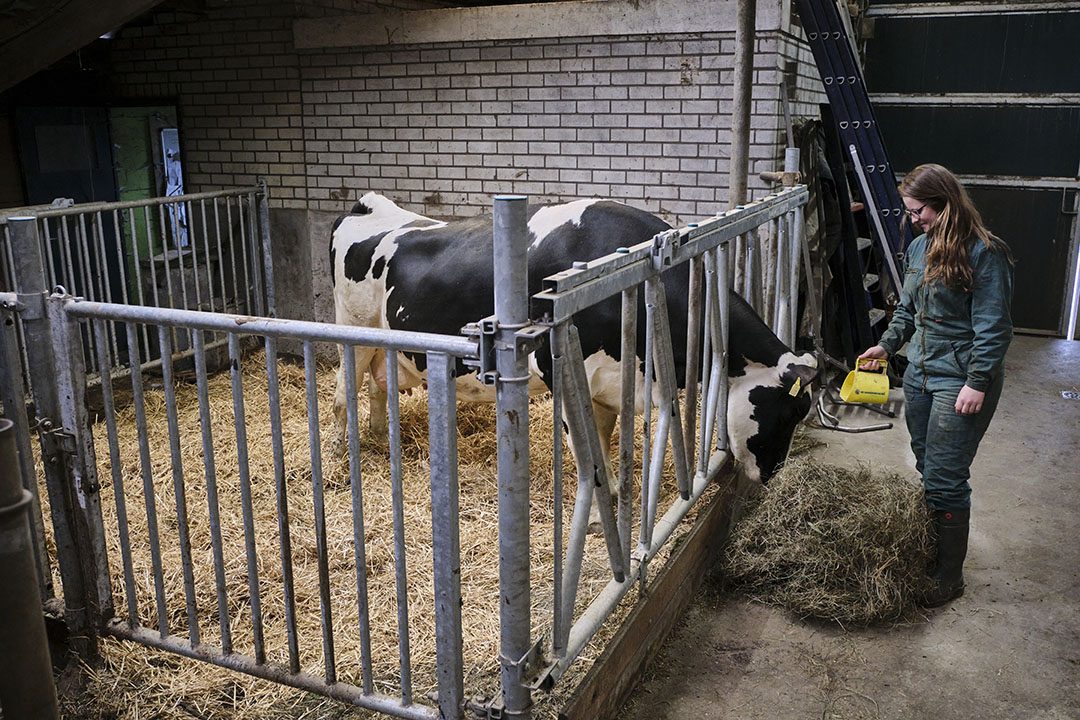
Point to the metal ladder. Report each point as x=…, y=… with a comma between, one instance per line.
x=838, y=65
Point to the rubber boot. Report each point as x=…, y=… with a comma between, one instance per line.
x=952, y=537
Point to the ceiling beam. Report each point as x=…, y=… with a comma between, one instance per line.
x=57, y=29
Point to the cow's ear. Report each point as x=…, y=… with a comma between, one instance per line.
x=798, y=377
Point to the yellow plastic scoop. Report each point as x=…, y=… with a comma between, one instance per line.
x=866, y=386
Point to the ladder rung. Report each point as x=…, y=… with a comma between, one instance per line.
x=864, y=243
x=869, y=280
x=876, y=316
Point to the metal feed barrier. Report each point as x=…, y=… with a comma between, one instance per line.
x=58, y=327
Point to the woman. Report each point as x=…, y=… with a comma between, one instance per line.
x=955, y=311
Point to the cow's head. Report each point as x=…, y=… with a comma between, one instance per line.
x=765, y=404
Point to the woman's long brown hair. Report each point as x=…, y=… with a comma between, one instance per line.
x=958, y=224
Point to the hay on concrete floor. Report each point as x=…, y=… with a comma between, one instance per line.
x=848, y=546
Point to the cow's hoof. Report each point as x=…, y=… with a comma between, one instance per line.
x=595, y=527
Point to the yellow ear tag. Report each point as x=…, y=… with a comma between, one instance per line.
x=795, y=387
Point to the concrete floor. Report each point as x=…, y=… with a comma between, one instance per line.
x=1009, y=648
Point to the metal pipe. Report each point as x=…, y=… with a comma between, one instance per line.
x=82, y=208
x=244, y=472
x=558, y=362
x=273, y=327
x=356, y=486
x=282, y=494
x=213, y=506
x=740, y=116
x=446, y=541
x=629, y=374
x=267, y=248
x=510, y=218
x=178, y=485
x=275, y=673
x=149, y=494
x=397, y=499
x=26, y=681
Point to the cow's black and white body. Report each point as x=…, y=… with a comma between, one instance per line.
x=396, y=269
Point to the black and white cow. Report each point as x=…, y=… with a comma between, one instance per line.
x=396, y=269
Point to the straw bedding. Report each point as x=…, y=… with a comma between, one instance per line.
x=136, y=682
x=848, y=546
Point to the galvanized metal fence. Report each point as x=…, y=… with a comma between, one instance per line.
x=203, y=251
x=706, y=250
x=65, y=337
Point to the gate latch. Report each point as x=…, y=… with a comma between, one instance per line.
x=663, y=249
x=490, y=336
x=56, y=440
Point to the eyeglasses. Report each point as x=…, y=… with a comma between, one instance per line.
x=916, y=212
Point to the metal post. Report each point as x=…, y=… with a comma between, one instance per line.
x=740, y=116
x=30, y=285
x=267, y=249
x=512, y=426
x=26, y=682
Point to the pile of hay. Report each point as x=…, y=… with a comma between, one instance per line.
x=834, y=544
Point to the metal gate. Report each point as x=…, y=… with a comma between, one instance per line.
x=69, y=337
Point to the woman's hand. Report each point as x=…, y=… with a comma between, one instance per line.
x=969, y=401
x=873, y=355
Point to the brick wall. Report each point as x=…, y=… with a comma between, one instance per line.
x=443, y=127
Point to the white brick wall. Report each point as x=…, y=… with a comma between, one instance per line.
x=443, y=127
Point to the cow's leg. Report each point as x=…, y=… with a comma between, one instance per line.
x=364, y=356
x=377, y=417
x=605, y=425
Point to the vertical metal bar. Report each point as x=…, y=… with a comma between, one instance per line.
x=757, y=279
x=628, y=367
x=149, y=495
x=207, y=257
x=90, y=290
x=512, y=426
x=163, y=210
x=693, y=355
x=793, y=278
x=646, y=439
x=256, y=269
x=50, y=263
x=236, y=372
x=281, y=487
x=779, y=290
x=741, y=101
x=194, y=254
x=558, y=362
x=356, y=485
x=267, y=249
x=212, y=504
x=706, y=424
x=320, y=510
x=723, y=291
x=13, y=397
x=442, y=423
x=119, y=495
x=243, y=250
x=232, y=249
x=573, y=401
x=29, y=276
x=173, y=210
x=65, y=246
x=73, y=418
x=665, y=364
x=104, y=279
x=178, y=485
x=397, y=499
